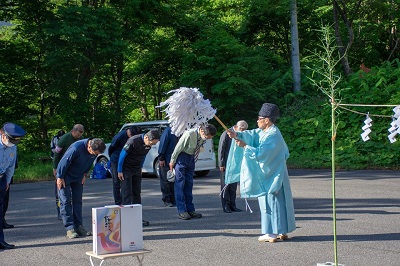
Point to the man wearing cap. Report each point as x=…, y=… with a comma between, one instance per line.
x=71, y=175
x=62, y=145
x=10, y=135
x=264, y=175
x=228, y=191
x=114, y=151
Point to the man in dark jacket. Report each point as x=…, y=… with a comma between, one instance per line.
x=62, y=146
x=167, y=145
x=228, y=193
x=114, y=151
x=130, y=165
x=71, y=175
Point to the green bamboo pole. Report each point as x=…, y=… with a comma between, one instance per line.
x=333, y=183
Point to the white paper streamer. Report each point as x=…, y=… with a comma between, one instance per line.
x=366, y=128
x=186, y=109
x=395, y=125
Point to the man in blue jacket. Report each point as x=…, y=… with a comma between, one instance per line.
x=114, y=151
x=10, y=135
x=71, y=174
x=168, y=142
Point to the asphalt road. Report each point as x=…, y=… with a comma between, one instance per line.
x=368, y=219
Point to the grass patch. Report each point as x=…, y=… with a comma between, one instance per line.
x=33, y=173
x=33, y=167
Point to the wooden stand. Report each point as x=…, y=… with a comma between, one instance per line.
x=139, y=254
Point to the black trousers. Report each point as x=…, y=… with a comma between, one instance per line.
x=131, y=186
x=116, y=183
x=3, y=188
x=5, y=201
x=167, y=188
x=228, y=197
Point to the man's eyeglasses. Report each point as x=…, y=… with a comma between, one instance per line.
x=260, y=118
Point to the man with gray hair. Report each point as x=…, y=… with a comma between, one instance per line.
x=228, y=192
x=130, y=164
x=71, y=176
x=183, y=160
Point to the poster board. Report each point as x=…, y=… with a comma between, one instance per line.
x=106, y=230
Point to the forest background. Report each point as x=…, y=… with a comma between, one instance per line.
x=103, y=63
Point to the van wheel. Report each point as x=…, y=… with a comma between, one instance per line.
x=156, y=169
x=201, y=173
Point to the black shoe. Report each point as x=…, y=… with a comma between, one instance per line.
x=234, y=209
x=185, y=216
x=227, y=209
x=145, y=223
x=5, y=245
x=168, y=204
x=195, y=215
x=58, y=211
x=7, y=226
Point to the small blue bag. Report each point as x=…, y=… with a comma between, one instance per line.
x=99, y=171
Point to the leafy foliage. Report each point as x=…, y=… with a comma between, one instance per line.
x=104, y=63
x=308, y=135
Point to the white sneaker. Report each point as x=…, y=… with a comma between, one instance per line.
x=271, y=238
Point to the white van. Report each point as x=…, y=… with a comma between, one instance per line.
x=205, y=162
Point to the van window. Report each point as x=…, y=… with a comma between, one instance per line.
x=147, y=128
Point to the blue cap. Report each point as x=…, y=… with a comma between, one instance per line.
x=13, y=132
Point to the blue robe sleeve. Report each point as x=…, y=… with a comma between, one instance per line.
x=233, y=164
x=270, y=152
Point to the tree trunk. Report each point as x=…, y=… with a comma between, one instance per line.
x=295, y=47
x=117, y=67
x=342, y=12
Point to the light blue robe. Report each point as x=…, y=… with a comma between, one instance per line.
x=261, y=170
